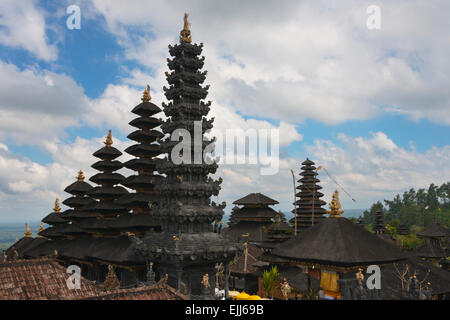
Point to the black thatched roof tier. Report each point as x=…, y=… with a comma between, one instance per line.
x=146, y=109
x=52, y=233
x=279, y=227
x=338, y=242
x=145, y=123
x=141, y=164
x=107, y=178
x=53, y=219
x=107, y=166
x=79, y=214
x=78, y=202
x=45, y=248
x=31, y=245
x=132, y=200
x=255, y=198
x=71, y=229
x=145, y=135
x=108, y=208
x=107, y=153
x=264, y=213
x=79, y=248
x=142, y=181
x=434, y=230
x=126, y=221
x=308, y=162
x=107, y=192
x=430, y=249
x=78, y=188
x=18, y=245
x=142, y=151
x=120, y=250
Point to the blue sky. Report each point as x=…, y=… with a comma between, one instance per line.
x=372, y=106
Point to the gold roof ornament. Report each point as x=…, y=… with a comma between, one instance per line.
x=335, y=206
x=57, y=208
x=80, y=176
x=146, y=97
x=41, y=228
x=27, y=231
x=185, y=34
x=108, y=142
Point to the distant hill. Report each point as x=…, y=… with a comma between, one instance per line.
x=9, y=233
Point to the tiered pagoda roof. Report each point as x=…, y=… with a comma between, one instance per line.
x=430, y=250
x=184, y=207
x=65, y=226
x=434, y=230
x=104, y=213
x=309, y=205
x=146, y=150
x=252, y=218
x=278, y=232
x=337, y=243
x=378, y=226
x=403, y=229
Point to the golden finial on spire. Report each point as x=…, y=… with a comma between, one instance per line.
x=80, y=176
x=41, y=228
x=146, y=97
x=185, y=34
x=28, y=231
x=57, y=209
x=335, y=206
x=108, y=142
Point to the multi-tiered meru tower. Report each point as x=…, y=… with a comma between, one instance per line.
x=309, y=205
x=187, y=248
x=145, y=152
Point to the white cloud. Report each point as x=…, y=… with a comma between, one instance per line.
x=28, y=189
x=376, y=168
x=22, y=24
x=292, y=61
x=37, y=106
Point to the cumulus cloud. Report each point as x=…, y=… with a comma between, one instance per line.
x=293, y=61
x=375, y=168
x=22, y=25
x=28, y=189
x=28, y=95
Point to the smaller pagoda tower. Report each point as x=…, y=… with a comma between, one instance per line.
x=107, y=192
x=278, y=232
x=145, y=152
x=403, y=229
x=309, y=205
x=253, y=218
x=378, y=225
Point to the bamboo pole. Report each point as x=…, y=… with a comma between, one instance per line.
x=295, y=204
